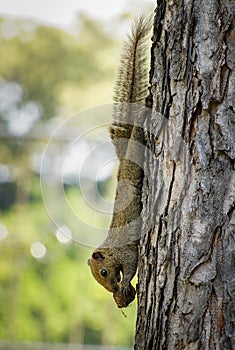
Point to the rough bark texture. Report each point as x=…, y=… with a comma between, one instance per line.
x=186, y=297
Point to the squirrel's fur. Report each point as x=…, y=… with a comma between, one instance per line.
x=118, y=254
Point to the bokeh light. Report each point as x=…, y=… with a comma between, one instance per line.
x=64, y=235
x=3, y=231
x=38, y=250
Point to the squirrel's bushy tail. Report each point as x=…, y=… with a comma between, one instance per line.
x=132, y=78
x=131, y=86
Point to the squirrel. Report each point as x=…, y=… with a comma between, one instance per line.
x=114, y=263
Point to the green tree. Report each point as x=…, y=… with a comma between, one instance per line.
x=50, y=58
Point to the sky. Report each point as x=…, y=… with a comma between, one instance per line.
x=61, y=13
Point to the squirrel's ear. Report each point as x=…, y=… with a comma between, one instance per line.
x=97, y=255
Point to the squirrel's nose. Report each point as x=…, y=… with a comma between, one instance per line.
x=89, y=262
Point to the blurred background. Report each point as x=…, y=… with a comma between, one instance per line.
x=58, y=61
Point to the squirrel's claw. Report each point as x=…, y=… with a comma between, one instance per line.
x=126, y=290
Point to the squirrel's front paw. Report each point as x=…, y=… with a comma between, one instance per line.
x=123, y=300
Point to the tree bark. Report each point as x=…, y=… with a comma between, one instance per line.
x=186, y=290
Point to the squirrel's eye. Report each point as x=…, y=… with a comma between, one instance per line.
x=103, y=272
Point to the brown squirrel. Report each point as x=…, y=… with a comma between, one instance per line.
x=114, y=262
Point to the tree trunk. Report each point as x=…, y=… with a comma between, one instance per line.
x=186, y=296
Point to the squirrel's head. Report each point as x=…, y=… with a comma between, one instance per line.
x=105, y=269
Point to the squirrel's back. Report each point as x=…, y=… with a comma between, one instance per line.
x=127, y=133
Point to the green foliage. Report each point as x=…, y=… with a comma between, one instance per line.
x=53, y=298
x=48, y=60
